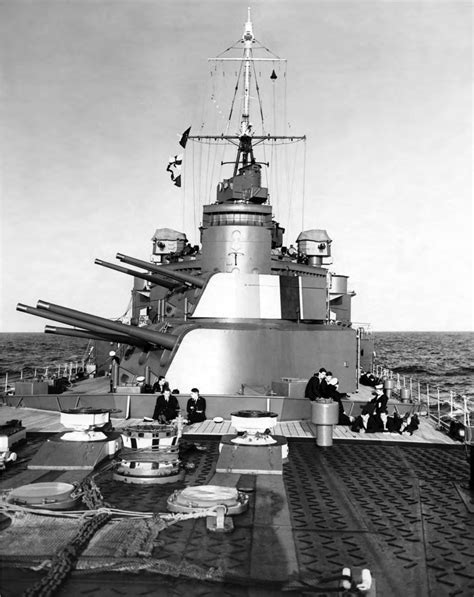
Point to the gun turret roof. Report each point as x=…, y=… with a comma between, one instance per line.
x=168, y=234
x=315, y=234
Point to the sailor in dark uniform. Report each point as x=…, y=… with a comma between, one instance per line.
x=312, y=390
x=379, y=401
x=160, y=385
x=324, y=385
x=196, y=407
x=333, y=392
x=377, y=411
x=166, y=407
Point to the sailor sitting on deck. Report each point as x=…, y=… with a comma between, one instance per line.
x=333, y=392
x=368, y=379
x=196, y=407
x=312, y=390
x=160, y=385
x=374, y=415
x=324, y=385
x=410, y=423
x=166, y=407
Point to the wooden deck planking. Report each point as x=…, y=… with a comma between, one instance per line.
x=49, y=422
x=426, y=434
x=208, y=427
x=32, y=419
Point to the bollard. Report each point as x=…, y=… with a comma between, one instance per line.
x=388, y=385
x=404, y=395
x=324, y=414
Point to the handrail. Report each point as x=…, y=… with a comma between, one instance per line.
x=64, y=369
x=433, y=401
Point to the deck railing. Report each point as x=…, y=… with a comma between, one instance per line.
x=438, y=406
x=441, y=407
x=68, y=370
x=56, y=370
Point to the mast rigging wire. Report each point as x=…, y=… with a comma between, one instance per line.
x=284, y=173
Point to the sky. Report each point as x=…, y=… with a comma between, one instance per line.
x=94, y=93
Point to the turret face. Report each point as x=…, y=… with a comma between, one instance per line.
x=237, y=238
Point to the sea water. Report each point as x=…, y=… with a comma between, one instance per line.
x=27, y=352
x=444, y=360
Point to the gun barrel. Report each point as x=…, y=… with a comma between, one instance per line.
x=89, y=329
x=151, y=278
x=75, y=333
x=153, y=337
x=163, y=270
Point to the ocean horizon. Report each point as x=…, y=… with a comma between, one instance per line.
x=443, y=360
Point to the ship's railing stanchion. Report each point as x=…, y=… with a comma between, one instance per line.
x=439, y=410
x=467, y=414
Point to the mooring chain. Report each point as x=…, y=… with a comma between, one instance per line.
x=65, y=559
x=91, y=495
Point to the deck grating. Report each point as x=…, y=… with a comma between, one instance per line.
x=392, y=508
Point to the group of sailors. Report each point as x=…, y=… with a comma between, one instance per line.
x=322, y=386
x=374, y=414
x=291, y=253
x=167, y=406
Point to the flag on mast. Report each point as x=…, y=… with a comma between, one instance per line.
x=184, y=137
x=174, y=168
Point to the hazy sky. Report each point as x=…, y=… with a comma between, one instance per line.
x=94, y=93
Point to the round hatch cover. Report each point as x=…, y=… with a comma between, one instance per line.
x=46, y=495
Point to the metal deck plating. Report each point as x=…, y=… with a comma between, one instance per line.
x=396, y=509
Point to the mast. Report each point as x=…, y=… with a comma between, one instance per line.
x=245, y=140
x=245, y=145
x=248, y=40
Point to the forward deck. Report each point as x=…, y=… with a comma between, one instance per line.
x=395, y=505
